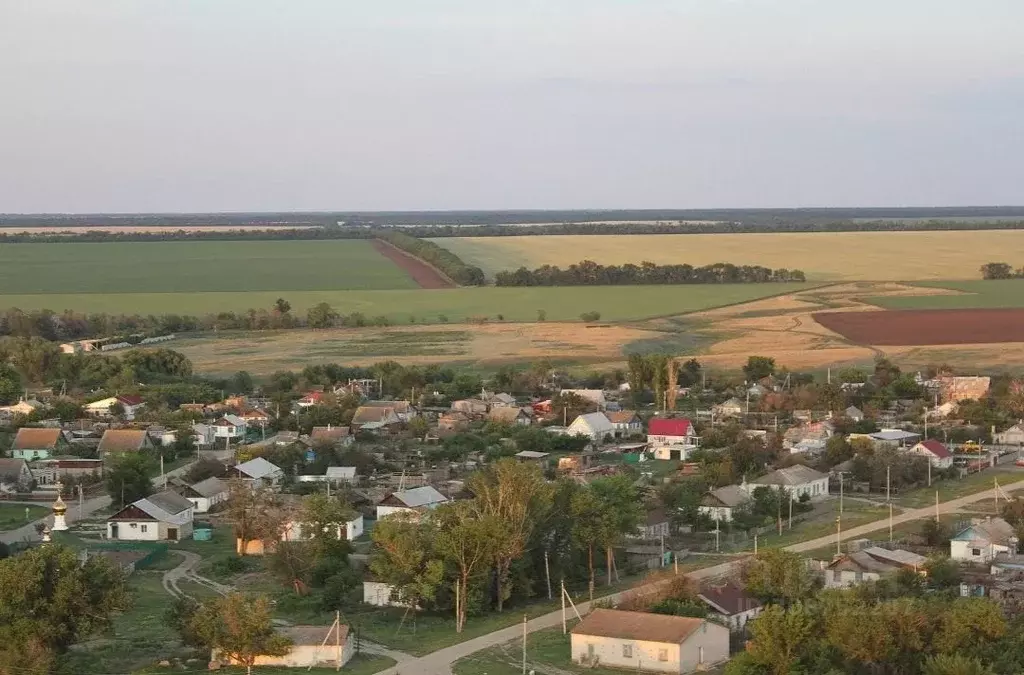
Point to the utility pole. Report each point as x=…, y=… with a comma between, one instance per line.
x=789, y=498
x=890, y=522
x=936, y=506
x=562, y=598
x=755, y=544
x=929, y=472
x=841, y=481
x=887, y=483
x=524, y=645
x=839, y=536
x=547, y=573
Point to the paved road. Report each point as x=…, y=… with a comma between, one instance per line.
x=440, y=662
x=28, y=532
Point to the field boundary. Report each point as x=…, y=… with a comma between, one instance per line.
x=419, y=270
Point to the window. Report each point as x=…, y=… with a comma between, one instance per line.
x=663, y=655
x=975, y=551
x=144, y=528
x=627, y=651
x=837, y=575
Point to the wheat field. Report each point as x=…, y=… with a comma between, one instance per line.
x=823, y=256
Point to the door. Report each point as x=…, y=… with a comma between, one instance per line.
x=113, y=530
x=172, y=533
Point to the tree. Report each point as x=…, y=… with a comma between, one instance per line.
x=935, y=533
x=589, y=525
x=321, y=315
x=203, y=469
x=241, y=383
x=954, y=664
x=996, y=270
x=515, y=496
x=49, y=601
x=282, y=306
x=466, y=541
x=967, y=625
x=255, y=511
x=406, y=559
x=779, y=637
x=779, y=576
x=128, y=479
x=759, y=367
x=239, y=628
x=324, y=520
x=622, y=511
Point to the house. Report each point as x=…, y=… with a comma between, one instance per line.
x=731, y=604
x=854, y=413
x=814, y=431
x=258, y=469
x=230, y=427
x=330, y=435
x=648, y=642
x=626, y=422
x=470, y=406
x=452, y=421
x=894, y=438
x=1012, y=436
x=943, y=410
x=376, y=416
x=22, y=407
x=32, y=444
x=531, y=456
x=670, y=438
x=205, y=494
x=254, y=417
x=721, y=504
x=798, y=480
x=102, y=408
x=15, y=475
x=204, y=435
x=595, y=426
x=293, y=530
x=55, y=469
x=937, y=453
x=311, y=399
x=869, y=564
x=381, y=594
x=509, y=415
x=499, y=400
x=416, y=500
x=311, y=646
x=983, y=540
x=595, y=396
x=731, y=408
x=809, y=446
x=655, y=525
x=164, y=516
x=403, y=409
x=116, y=442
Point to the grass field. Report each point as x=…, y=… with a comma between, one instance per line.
x=12, y=516
x=824, y=256
x=976, y=294
x=194, y=267
x=428, y=306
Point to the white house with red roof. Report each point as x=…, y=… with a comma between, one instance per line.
x=102, y=408
x=311, y=399
x=937, y=453
x=671, y=438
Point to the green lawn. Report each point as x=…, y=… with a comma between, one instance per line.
x=978, y=294
x=615, y=303
x=182, y=267
x=12, y=516
x=361, y=664
x=822, y=522
x=952, y=489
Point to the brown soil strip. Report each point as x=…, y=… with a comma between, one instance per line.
x=422, y=273
x=927, y=326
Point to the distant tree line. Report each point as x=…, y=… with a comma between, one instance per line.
x=444, y=260
x=1001, y=270
x=590, y=273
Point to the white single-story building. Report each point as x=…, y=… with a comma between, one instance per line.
x=381, y=594
x=648, y=642
x=983, y=540
x=353, y=529
x=671, y=438
x=731, y=604
x=329, y=646
x=231, y=427
x=416, y=500
x=205, y=494
x=594, y=426
x=1012, y=436
x=259, y=469
x=936, y=453
x=798, y=479
x=870, y=564
x=595, y=396
x=103, y=407
x=164, y=516
x=720, y=504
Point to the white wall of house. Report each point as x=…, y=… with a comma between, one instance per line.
x=680, y=452
x=975, y=551
x=721, y=513
x=354, y=528
x=739, y=621
x=385, y=511
x=204, y=504
x=303, y=656
x=379, y=594
x=134, y=530
x=848, y=578
x=658, y=441
x=708, y=645
x=815, y=488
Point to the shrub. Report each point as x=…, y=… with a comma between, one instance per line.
x=591, y=316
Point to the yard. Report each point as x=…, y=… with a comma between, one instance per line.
x=823, y=256
x=953, y=489
x=12, y=516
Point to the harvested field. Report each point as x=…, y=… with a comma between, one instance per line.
x=426, y=276
x=83, y=229
x=927, y=327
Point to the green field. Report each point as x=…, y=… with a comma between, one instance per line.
x=978, y=294
x=12, y=516
x=190, y=267
x=615, y=303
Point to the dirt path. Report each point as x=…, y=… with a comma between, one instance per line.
x=440, y=662
x=422, y=273
x=186, y=571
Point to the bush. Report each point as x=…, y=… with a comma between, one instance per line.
x=590, y=316
x=230, y=566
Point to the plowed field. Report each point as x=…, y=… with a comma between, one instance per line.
x=927, y=327
x=419, y=271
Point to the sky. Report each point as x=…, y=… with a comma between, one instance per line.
x=260, y=105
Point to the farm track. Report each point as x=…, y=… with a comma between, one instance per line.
x=424, y=274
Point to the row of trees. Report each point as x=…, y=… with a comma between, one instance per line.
x=501, y=545
x=590, y=273
x=444, y=260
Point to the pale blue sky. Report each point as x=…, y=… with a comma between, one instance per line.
x=214, y=105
